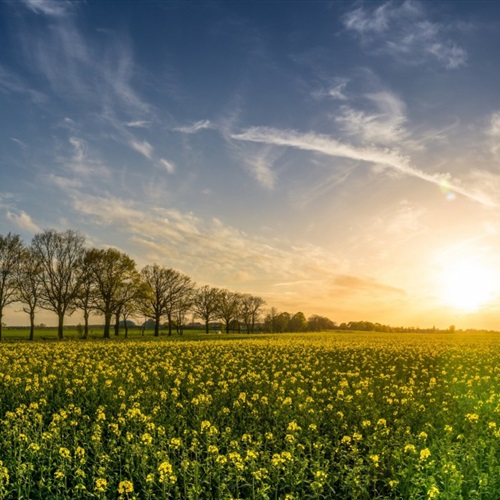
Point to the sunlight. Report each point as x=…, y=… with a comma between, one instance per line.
x=467, y=284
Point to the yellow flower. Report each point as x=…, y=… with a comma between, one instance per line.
x=433, y=492
x=410, y=448
x=176, y=443
x=64, y=452
x=166, y=470
x=252, y=455
x=125, y=487
x=473, y=418
x=425, y=454
x=321, y=476
x=80, y=453
x=147, y=439
x=59, y=474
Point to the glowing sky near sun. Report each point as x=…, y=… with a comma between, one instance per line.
x=339, y=158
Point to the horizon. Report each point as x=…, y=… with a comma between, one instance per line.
x=338, y=159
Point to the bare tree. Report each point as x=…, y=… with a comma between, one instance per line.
x=116, y=278
x=11, y=247
x=179, y=286
x=60, y=256
x=250, y=310
x=206, y=304
x=228, y=307
x=29, y=285
x=159, y=282
x=184, y=305
x=87, y=296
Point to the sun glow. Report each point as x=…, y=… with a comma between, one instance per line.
x=467, y=284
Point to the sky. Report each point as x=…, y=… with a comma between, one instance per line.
x=336, y=158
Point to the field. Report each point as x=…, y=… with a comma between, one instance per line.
x=331, y=415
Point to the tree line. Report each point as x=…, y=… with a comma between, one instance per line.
x=58, y=273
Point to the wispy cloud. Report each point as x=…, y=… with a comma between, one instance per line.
x=404, y=31
x=260, y=164
x=386, y=158
x=262, y=172
x=23, y=220
x=138, y=124
x=493, y=132
x=18, y=141
x=216, y=251
x=144, y=148
x=80, y=68
x=168, y=165
x=303, y=196
x=385, y=125
x=81, y=165
x=450, y=55
x=195, y=127
x=53, y=8
x=335, y=91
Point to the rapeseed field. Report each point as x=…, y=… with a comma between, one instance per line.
x=320, y=416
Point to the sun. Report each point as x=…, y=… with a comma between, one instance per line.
x=467, y=284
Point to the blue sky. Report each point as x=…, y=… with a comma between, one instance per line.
x=339, y=158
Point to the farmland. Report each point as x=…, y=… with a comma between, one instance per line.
x=329, y=415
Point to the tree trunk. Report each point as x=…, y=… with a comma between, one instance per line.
x=117, y=324
x=169, y=315
x=1, y=317
x=206, y=327
x=126, y=327
x=60, y=326
x=32, y=325
x=86, y=325
x=107, y=325
x=157, y=325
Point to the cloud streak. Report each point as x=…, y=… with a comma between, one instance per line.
x=323, y=144
x=144, y=148
x=167, y=165
x=195, y=127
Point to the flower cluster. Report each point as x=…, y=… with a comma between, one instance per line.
x=291, y=416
